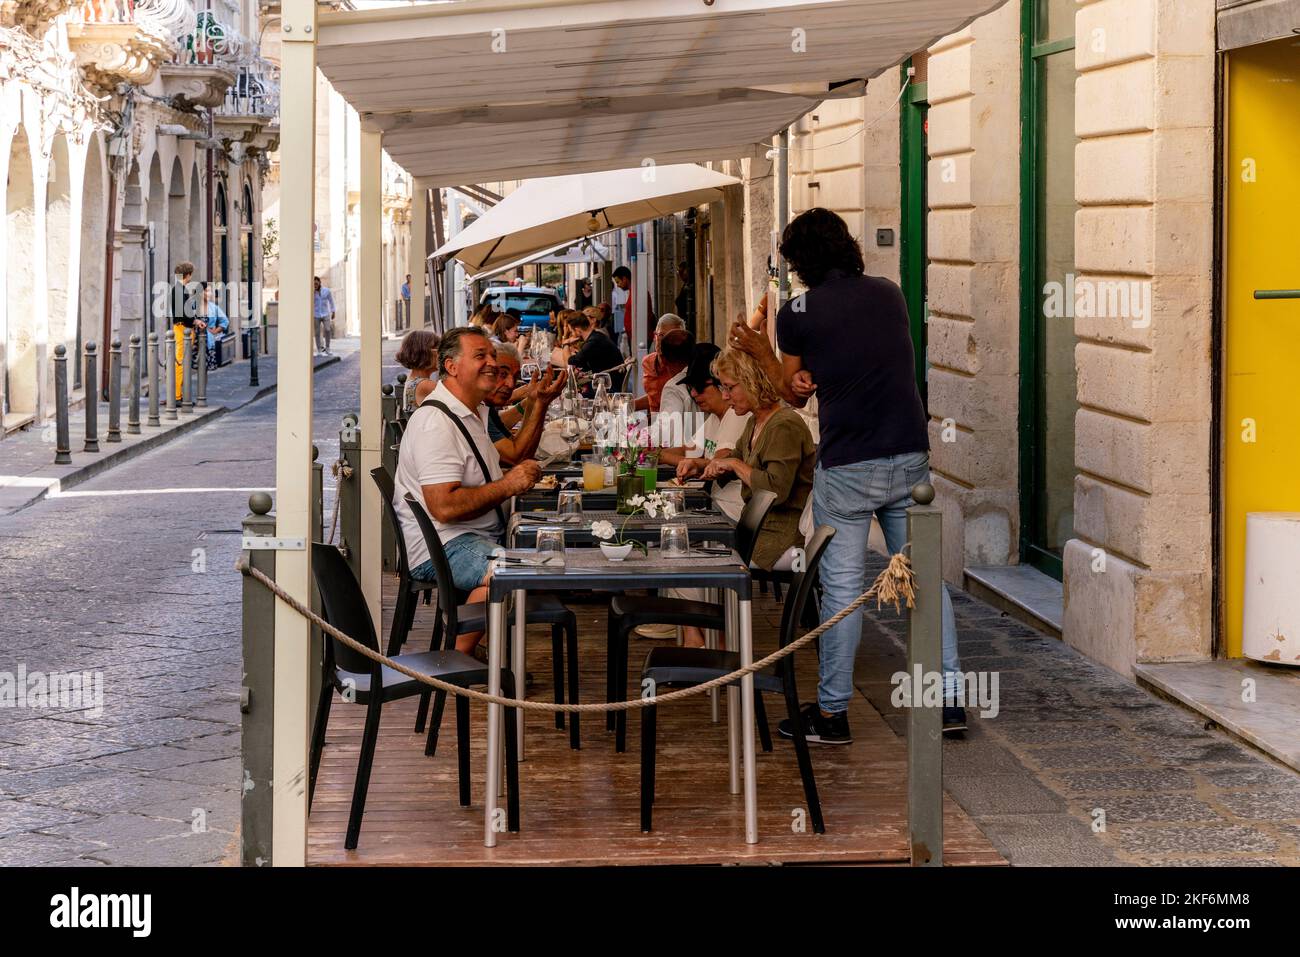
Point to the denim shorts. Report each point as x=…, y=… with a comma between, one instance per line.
x=468, y=555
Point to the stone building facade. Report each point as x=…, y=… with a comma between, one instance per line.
x=135, y=135
x=1072, y=283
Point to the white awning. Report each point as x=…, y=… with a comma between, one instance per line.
x=555, y=210
x=583, y=85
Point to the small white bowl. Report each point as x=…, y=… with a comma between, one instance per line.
x=616, y=553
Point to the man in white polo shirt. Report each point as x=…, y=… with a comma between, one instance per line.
x=460, y=484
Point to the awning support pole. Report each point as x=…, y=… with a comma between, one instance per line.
x=418, y=250
x=293, y=456
x=370, y=308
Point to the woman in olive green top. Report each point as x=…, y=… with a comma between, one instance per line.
x=775, y=452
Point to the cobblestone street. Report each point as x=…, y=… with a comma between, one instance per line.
x=128, y=577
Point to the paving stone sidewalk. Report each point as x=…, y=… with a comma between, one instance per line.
x=27, y=469
x=1076, y=748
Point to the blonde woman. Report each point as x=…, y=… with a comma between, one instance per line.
x=775, y=452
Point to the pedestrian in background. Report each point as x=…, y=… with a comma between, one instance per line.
x=185, y=308
x=323, y=313
x=216, y=324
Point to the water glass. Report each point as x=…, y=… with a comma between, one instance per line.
x=570, y=502
x=550, y=543
x=674, y=541
x=676, y=497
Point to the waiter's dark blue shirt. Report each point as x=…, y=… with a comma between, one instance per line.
x=853, y=336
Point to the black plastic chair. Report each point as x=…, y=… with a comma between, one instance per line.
x=409, y=589
x=628, y=612
x=364, y=681
x=685, y=667
x=455, y=617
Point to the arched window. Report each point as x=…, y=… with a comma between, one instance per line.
x=246, y=250
x=219, y=219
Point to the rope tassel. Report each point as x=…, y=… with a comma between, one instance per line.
x=895, y=585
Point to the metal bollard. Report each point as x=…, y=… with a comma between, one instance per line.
x=133, y=405
x=151, y=360
x=171, y=373
x=925, y=657
x=63, y=443
x=257, y=696
x=92, y=400
x=187, y=380
x=254, y=347
x=401, y=396
x=349, y=492
x=201, y=350
x=388, y=456
x=114, y=392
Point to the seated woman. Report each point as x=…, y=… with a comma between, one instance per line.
x=419, y=353
x=774, y=452
x=506, y=329
x=566, y=341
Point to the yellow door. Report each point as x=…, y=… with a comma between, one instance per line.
x=1261, y=439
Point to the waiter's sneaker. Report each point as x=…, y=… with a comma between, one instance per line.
x=954, y=719
x=818, y=728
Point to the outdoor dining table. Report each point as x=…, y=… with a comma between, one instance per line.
x=711, y=526
x=584, y=569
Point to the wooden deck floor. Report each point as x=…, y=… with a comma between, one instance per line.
x=581, y=807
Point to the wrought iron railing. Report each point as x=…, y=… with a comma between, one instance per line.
x=256, y=91
x=209, y=42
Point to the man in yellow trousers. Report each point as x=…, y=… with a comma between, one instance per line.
x=185, y=309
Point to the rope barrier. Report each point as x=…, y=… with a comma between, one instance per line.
x=895, y=585
x=339, y=468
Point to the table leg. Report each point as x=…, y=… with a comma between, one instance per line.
x=747, y=722
x=733, y=699
x=518, y=662
x=711, y=641
x=496, y=621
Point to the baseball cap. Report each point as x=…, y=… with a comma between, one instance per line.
x=698, y=374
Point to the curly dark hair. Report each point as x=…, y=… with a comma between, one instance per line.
x=419, y=349
x=818, y=241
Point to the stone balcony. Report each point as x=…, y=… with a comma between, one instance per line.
x=32, y=14
x=196, y=86
x=114, y=44
x=251, y=109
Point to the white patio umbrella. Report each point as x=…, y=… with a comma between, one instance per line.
x=586, y=251
x=547, y=213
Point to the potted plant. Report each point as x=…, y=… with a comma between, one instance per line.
x=638, y=466
x=616, y=547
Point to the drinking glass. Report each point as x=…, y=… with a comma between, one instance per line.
x=550, y=543
x=570, y=501
x=674, y=541
x=676, y=497
x=593, y=472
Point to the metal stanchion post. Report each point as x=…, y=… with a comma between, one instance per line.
x=257, y=696
x=171, y=373
x=254, y=347
x=925, y=660
x=388, y=456
x=151, y=360
x=201, y=350
x=349, y=492
x=133, y=406
x=114, y=392
x=63, y=446
x=187, y=380
x=317, y=525
x=92, y=400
